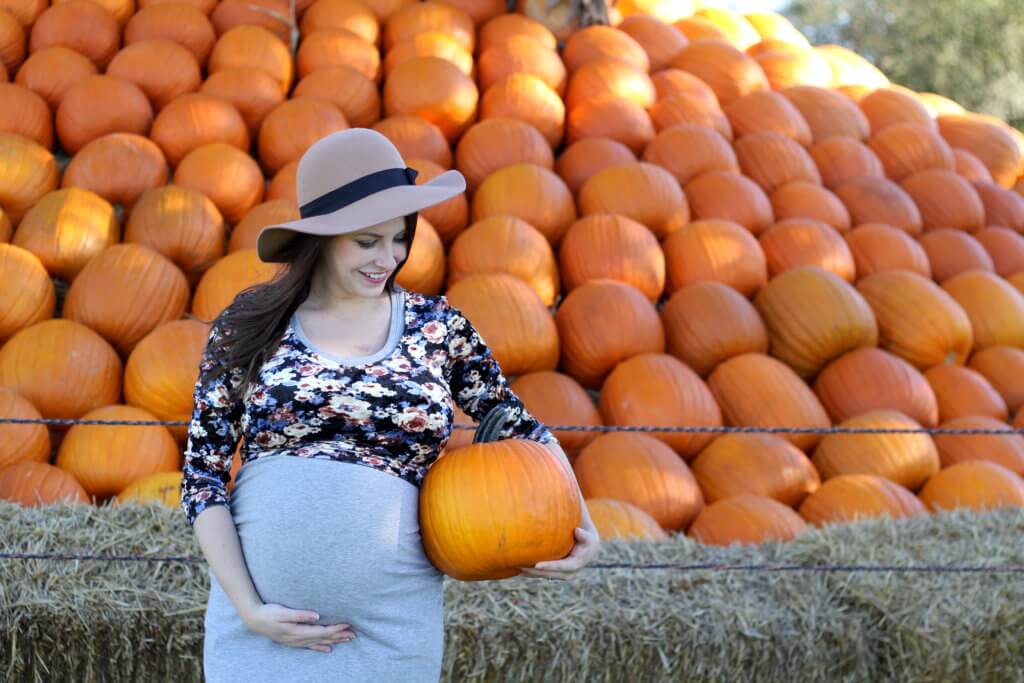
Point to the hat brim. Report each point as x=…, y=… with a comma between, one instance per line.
x=378, y=207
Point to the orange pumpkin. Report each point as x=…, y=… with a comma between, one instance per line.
x=1004, y=449
x=746, y=519
x=163, y=487
x=270, y=212
x=62, y=367
x=180, y=22
x=162, y=369
x=495, y=143
x=688, y=151
x=26, y=12
x=350, y=15
x=889, y=106
x=616, y=519
x=754, y=464
x=347, y=89
x=26, y=113
x=67, y=229
x=788, y=67
x=226, y=278
x=722, y=195
x=908, y=459
x=292, y=127
x=248, y=46
x=526, y=97
x=1003, y=367
x=430, y=16
x=852, y=497
x=86, y=27
x=615, y=247
x=434, y=89
x=618, y=119
x=804, y=199
x=228, y=176
x=582, y=159
x=527, y=496
x=668, y=82
x=945, y=200
x=970, y=167
x=659, y=39
x=105, y=459
x=756, y=390
x=640, y=470
x=828, y=113
x=38, y=483
x=842, y=159
x=118, y=167
x=974, y=485
x=254, y=92
x=554, y=398
x=282, y=185
x=682, y=109
x=193, y=120
x=506, y=26
x=424, y=271
x=715, y=250
x=97, y=105
x=180, y=223
x=906, y=148
x=1002, y=207
x=1005, y=247
x=505, y=244
x=952, y=252
x=416, y=139
x=22, y=442
x=449, y=217
x=994, y=307
x=767, y=111
x=963, y=392
x=161, y=68
x=987, y=140
x=511, y=319
x=609, y=78
x=531, y=193
x=730, y=73
x=800, y=242
x=521, y=54
x=872, y=379
x=773, y=160
x=871, y=199
x=603, y=42
x=50, y=71
x=877, y=247
x=33, y=300
x=430, y=44
x=656, y=389
x=644, y=192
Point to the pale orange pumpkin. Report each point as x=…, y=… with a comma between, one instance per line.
x=682, y=109
x=718, y=251
x=656, y=389
x=163, y=487
x=118, y=167
x=789, y=67
x=889, y=106
x=609, y=78
x=600, y=42
x=617, y=119
x=521, y=54
x=85, y=27
x=873, y=379
x=952, y=252
x=38, y=483
x=853, y=497
x=161, y=371
x=350, y=15
x=434, y=89
x=292, y=127
x=871, y=199
x=555, y=398
x=987, y=140
x=23, y=442
x=757, y=464
x=50, y=71
x=66, y=229
x=1004, y=449
x=739, y=31
x=746, y=519
x=699, y=28
x=33, y=300
x=180, y=22
x=773, y=160
x=908, y=459
x=841, y=159
x=419, y=17
x=105, y=459
x=730, y=73
x=877, y=247
x=416, y=139
x=828, y=113
x=511, y=319
x=616, y=519
x=525, y=493
x=602, y=323
x=347, y=89
x=253, y=47
x=430, y=44
x=688, y=151
x=506, y=26
x=906, y=148
x=226, y=278
x=804, y=199
x=644, y=192
x=640, y=470
x=531, y=193
x=1005, y=247
x=497, y=142
x=1002, y=207
x=424, y=271
x=193, y=120
x=1003, y=367
x=765, y=110
x=449, y=217
x=228, y=176
x=252, y=91
x=963, y=392
x=528, y=98
x=270, y=212
x=797, y=242
x=659, y=39
x=180, y=223
x=970, y=167
x=27, y=172
x=709, y=322
x=612, y=246
x=723, y=195
x=945, y=200
x=505, y=244
x=756, y=390
x=974, y=485
x=26, y=113
x=668, y=82
x=62, y=367
x=994, y=307
x=100, y=104
x=161, y=68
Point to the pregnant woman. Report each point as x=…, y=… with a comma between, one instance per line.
x=340, y=385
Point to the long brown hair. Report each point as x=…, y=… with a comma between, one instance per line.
x=251, y=327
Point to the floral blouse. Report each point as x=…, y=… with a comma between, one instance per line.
x=391, y=410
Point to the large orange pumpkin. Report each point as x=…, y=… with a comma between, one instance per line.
x=602, y=323
x=497, y=142
x=118, y=167
x=746, y=519
x=32, y=299
x=531, y=193
x=433, y=89
x=877, y=247
x=521, y=54
x=772, y=160
x=26, y=113
x=430, y=44
x=730, y=73
x=804, y=199
x=1005, y=449
x=988, y=141
x=797, y=242
x=621, y=120
x=718, y=251
x=828, y=113
x=952, y=252
x=161, y=68
x=614, y=247
x=292, y=127
x=164, y=487
x=22, y=442
x=616, y=519
x=582, y=159
x=449, y=217
x=1003, y=367
x=994, y=307
x=226, y=278
x=1005, y=246
x=506, y=26
x=554, y=398
x=687, y=151
x=251, y=46
x=526, y=97
x=27, y=172
x=193, y=120
x=963, y=392
x=85, y=27
x=609, y=78
x=347, y=89
x=758, y=464
x=416, y=139
x=975, y=485
x=603, y=42
x=350, y=15
x=644, y=192
x=228, y=176
x=100, y=104
x=38, y=483
x=252, y=91
x=841, y=159
x=906, y=148
x=270, y=212
x=852, y=497
x=728, y=196
x=180, y=22
x=49, y=72
x=425, y=269
x=420, y=17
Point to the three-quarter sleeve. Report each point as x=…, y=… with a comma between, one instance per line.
x=213, y=435
x=478, y=384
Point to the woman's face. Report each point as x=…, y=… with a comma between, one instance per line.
x=361, y=262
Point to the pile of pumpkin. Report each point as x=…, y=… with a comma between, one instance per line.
x=688, y=217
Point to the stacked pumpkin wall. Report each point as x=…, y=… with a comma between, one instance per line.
x=689, y=217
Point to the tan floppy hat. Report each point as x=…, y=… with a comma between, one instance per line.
x=349, y=181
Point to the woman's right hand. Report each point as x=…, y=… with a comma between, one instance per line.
x=290, y=627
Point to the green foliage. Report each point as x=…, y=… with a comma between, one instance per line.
x=968, y=50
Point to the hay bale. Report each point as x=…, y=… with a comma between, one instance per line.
x=129, y=621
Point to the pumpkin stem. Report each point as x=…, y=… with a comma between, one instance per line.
x=491, y=425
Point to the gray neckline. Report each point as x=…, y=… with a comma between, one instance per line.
x=396, y=330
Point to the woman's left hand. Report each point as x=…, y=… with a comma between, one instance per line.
x=588, y=542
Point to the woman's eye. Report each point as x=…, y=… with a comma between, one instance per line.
x=365, y=245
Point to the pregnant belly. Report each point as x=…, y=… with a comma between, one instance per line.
x=338, y=538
